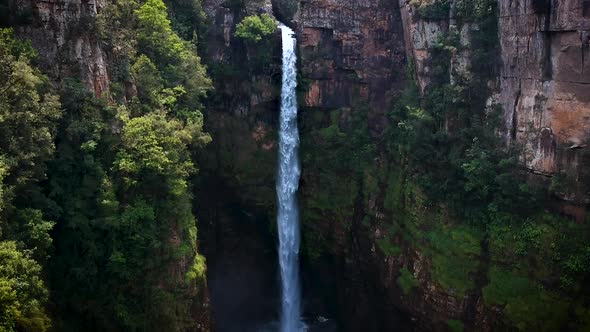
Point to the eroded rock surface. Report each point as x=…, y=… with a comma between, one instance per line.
x=62, y=32
x=545, y=90
x=352, y=54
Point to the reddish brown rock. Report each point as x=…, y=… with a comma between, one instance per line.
x=353, y=53
x=545, y=89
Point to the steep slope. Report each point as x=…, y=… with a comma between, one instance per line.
x=376, y=235
x=124, y=252
x=444, y=146
x=396, y=249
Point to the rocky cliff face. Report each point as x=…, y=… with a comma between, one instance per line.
x=62, y=33
x=353, y=60
x=367, y=227
x=366, y=232
x=354, y=56
x=544, y=91
x=542, y=86
x=237, y=172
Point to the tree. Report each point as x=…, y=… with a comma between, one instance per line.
x=151, y=176
x=176, y=59
x=155, y=35
x=188, y=17
x=254, y=28
x=29, y=113
x=126, y=255
x=22, y=291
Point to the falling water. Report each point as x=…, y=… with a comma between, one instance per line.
x=287, y=185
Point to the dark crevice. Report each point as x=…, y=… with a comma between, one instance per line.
x=364, y=306
x=285, y=11
x=586, y=8
x=541, y=7
x=480, y=279
x=585, y=42
x=547, y=65
x=514, y=124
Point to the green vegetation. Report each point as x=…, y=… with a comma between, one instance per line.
x=406, y=281
x=465, y=10
x=446, y=141
x=480, y=11
x=527, y=304
x=388, y=248
x=256, y=32
x=125, y=193
x=455, y=254
x=96, y=192
x=256, y=27
x=188, y=18
x=553, y=248
x=22, y=291
x=105, y=212
x=337, y=154
x=455, y=325
x=29, y=115
x=449, y=186
x=433, y=10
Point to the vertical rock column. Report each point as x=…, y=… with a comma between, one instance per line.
x=545, y=92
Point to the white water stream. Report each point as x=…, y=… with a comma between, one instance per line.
x=287, y=185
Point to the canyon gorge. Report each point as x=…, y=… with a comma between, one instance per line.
x=444, y=158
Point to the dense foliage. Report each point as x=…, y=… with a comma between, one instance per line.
x=29, y=112
x=432, y=9
x=442, y=184
x=448, y=140
x=96, y=203
x=126, y=256
x=256, y=27
x=485, y=227
x=94, y=190
x=187, y=17
x=22, y=291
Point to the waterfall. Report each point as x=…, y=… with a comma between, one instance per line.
x=287, y=185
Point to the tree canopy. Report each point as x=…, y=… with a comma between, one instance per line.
x=256, y=27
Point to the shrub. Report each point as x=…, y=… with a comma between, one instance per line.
x=387, y=247
x=527, y=304
x=431, y=10
x=254, y=28
x=22, y=291
x=406, y=281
